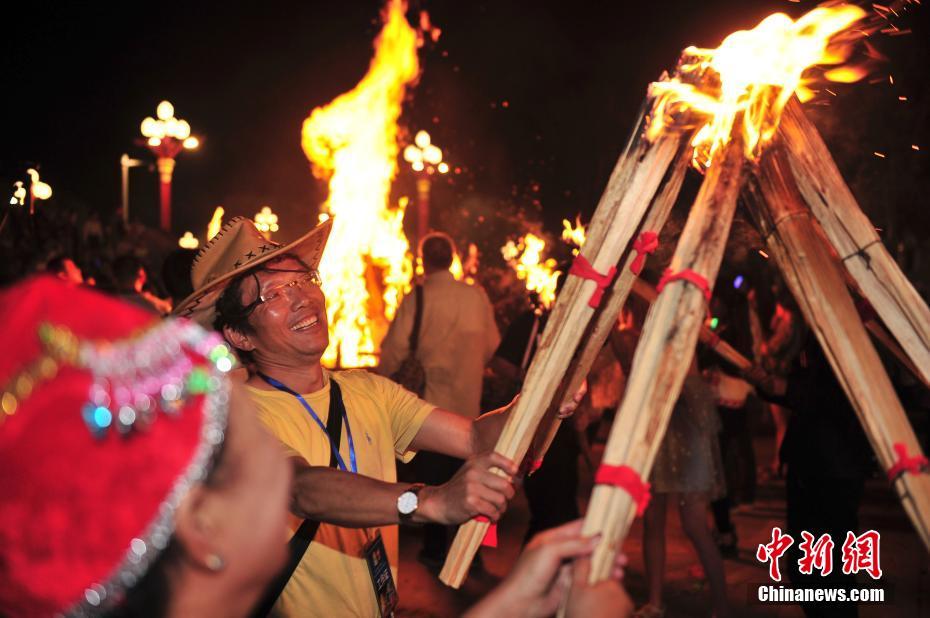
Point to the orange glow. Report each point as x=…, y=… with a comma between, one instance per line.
x=352, y=143
x=216, y=223
x=525, y=256
x=751, y=77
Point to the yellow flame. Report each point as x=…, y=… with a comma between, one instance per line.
x=573, y=235
x=216, y=223
x=352, y=143
x=525, y=256
x=752, y=74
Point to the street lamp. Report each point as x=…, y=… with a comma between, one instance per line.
x=188, y=241
x=38, y=190
x=125, y=162
x=19, y=194
x=167, y=136
x=266, y=222
x=426, y=159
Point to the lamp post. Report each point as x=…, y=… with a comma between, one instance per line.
x=426, y=159
x=38, y=190
x=167, y=136
x=188, y=241
x=125, y=162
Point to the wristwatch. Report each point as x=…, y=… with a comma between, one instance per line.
x=408, y=502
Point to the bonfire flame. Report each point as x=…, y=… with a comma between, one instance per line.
x=525, y=256
x=753, y=74
x=352, y=142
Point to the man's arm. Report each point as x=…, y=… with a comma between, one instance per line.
x=454, y=435
x=357, y=501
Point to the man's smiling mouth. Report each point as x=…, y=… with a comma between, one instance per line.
x=305, y=324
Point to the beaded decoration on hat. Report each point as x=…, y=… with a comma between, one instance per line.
x=108, y=419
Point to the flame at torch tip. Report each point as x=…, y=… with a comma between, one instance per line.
x=352, y=142
x=525, y=256
x=752, y=75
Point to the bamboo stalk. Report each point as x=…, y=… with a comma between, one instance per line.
x=664, y=354
x=854, y=238
x=816, y=279
x=632, y=186
x=597, y=333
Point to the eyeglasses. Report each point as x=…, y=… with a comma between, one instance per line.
x=311, y=277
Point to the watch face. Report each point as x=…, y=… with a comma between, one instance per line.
x=407, y=503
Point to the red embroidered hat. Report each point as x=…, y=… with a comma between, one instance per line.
x=107, y=418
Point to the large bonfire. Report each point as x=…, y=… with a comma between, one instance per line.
x=352, y=143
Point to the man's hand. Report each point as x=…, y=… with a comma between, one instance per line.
x=543, y=575
x=473, y=491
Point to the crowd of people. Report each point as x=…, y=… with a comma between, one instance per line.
x=213, y=466
x=204, y=531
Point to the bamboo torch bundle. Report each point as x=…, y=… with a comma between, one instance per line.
x=875, y=272
x=816, y=280
x=599, y=331
x=663, y=356
x=635, y=180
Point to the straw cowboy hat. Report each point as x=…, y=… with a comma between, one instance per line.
x=237, y=248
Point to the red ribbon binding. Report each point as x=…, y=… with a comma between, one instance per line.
x=645, y=244
x=685, y=275
x=627, y=479
x=581, y=267
x=906, y=463
x=490, y=537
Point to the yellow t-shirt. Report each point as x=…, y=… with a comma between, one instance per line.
x=333, y=579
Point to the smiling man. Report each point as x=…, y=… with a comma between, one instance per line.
x=267, y=301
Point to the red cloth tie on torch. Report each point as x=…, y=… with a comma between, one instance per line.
x=490, y=537
x=906, y=463
x=685, y=275
x=581, y=267
x=627, y=479
x=645, y=244
x=529, y=466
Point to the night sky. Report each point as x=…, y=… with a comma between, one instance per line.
x=534, y=100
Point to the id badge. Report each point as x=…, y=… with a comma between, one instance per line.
x=381, y=577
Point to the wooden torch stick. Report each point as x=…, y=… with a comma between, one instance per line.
x=663, y=355
x=854, y=238
x=815, y=278
x=645, y=291
x=632, y=186
x=606, y=320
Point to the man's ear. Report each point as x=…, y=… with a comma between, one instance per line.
x=240, y=341
x=196, y=529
